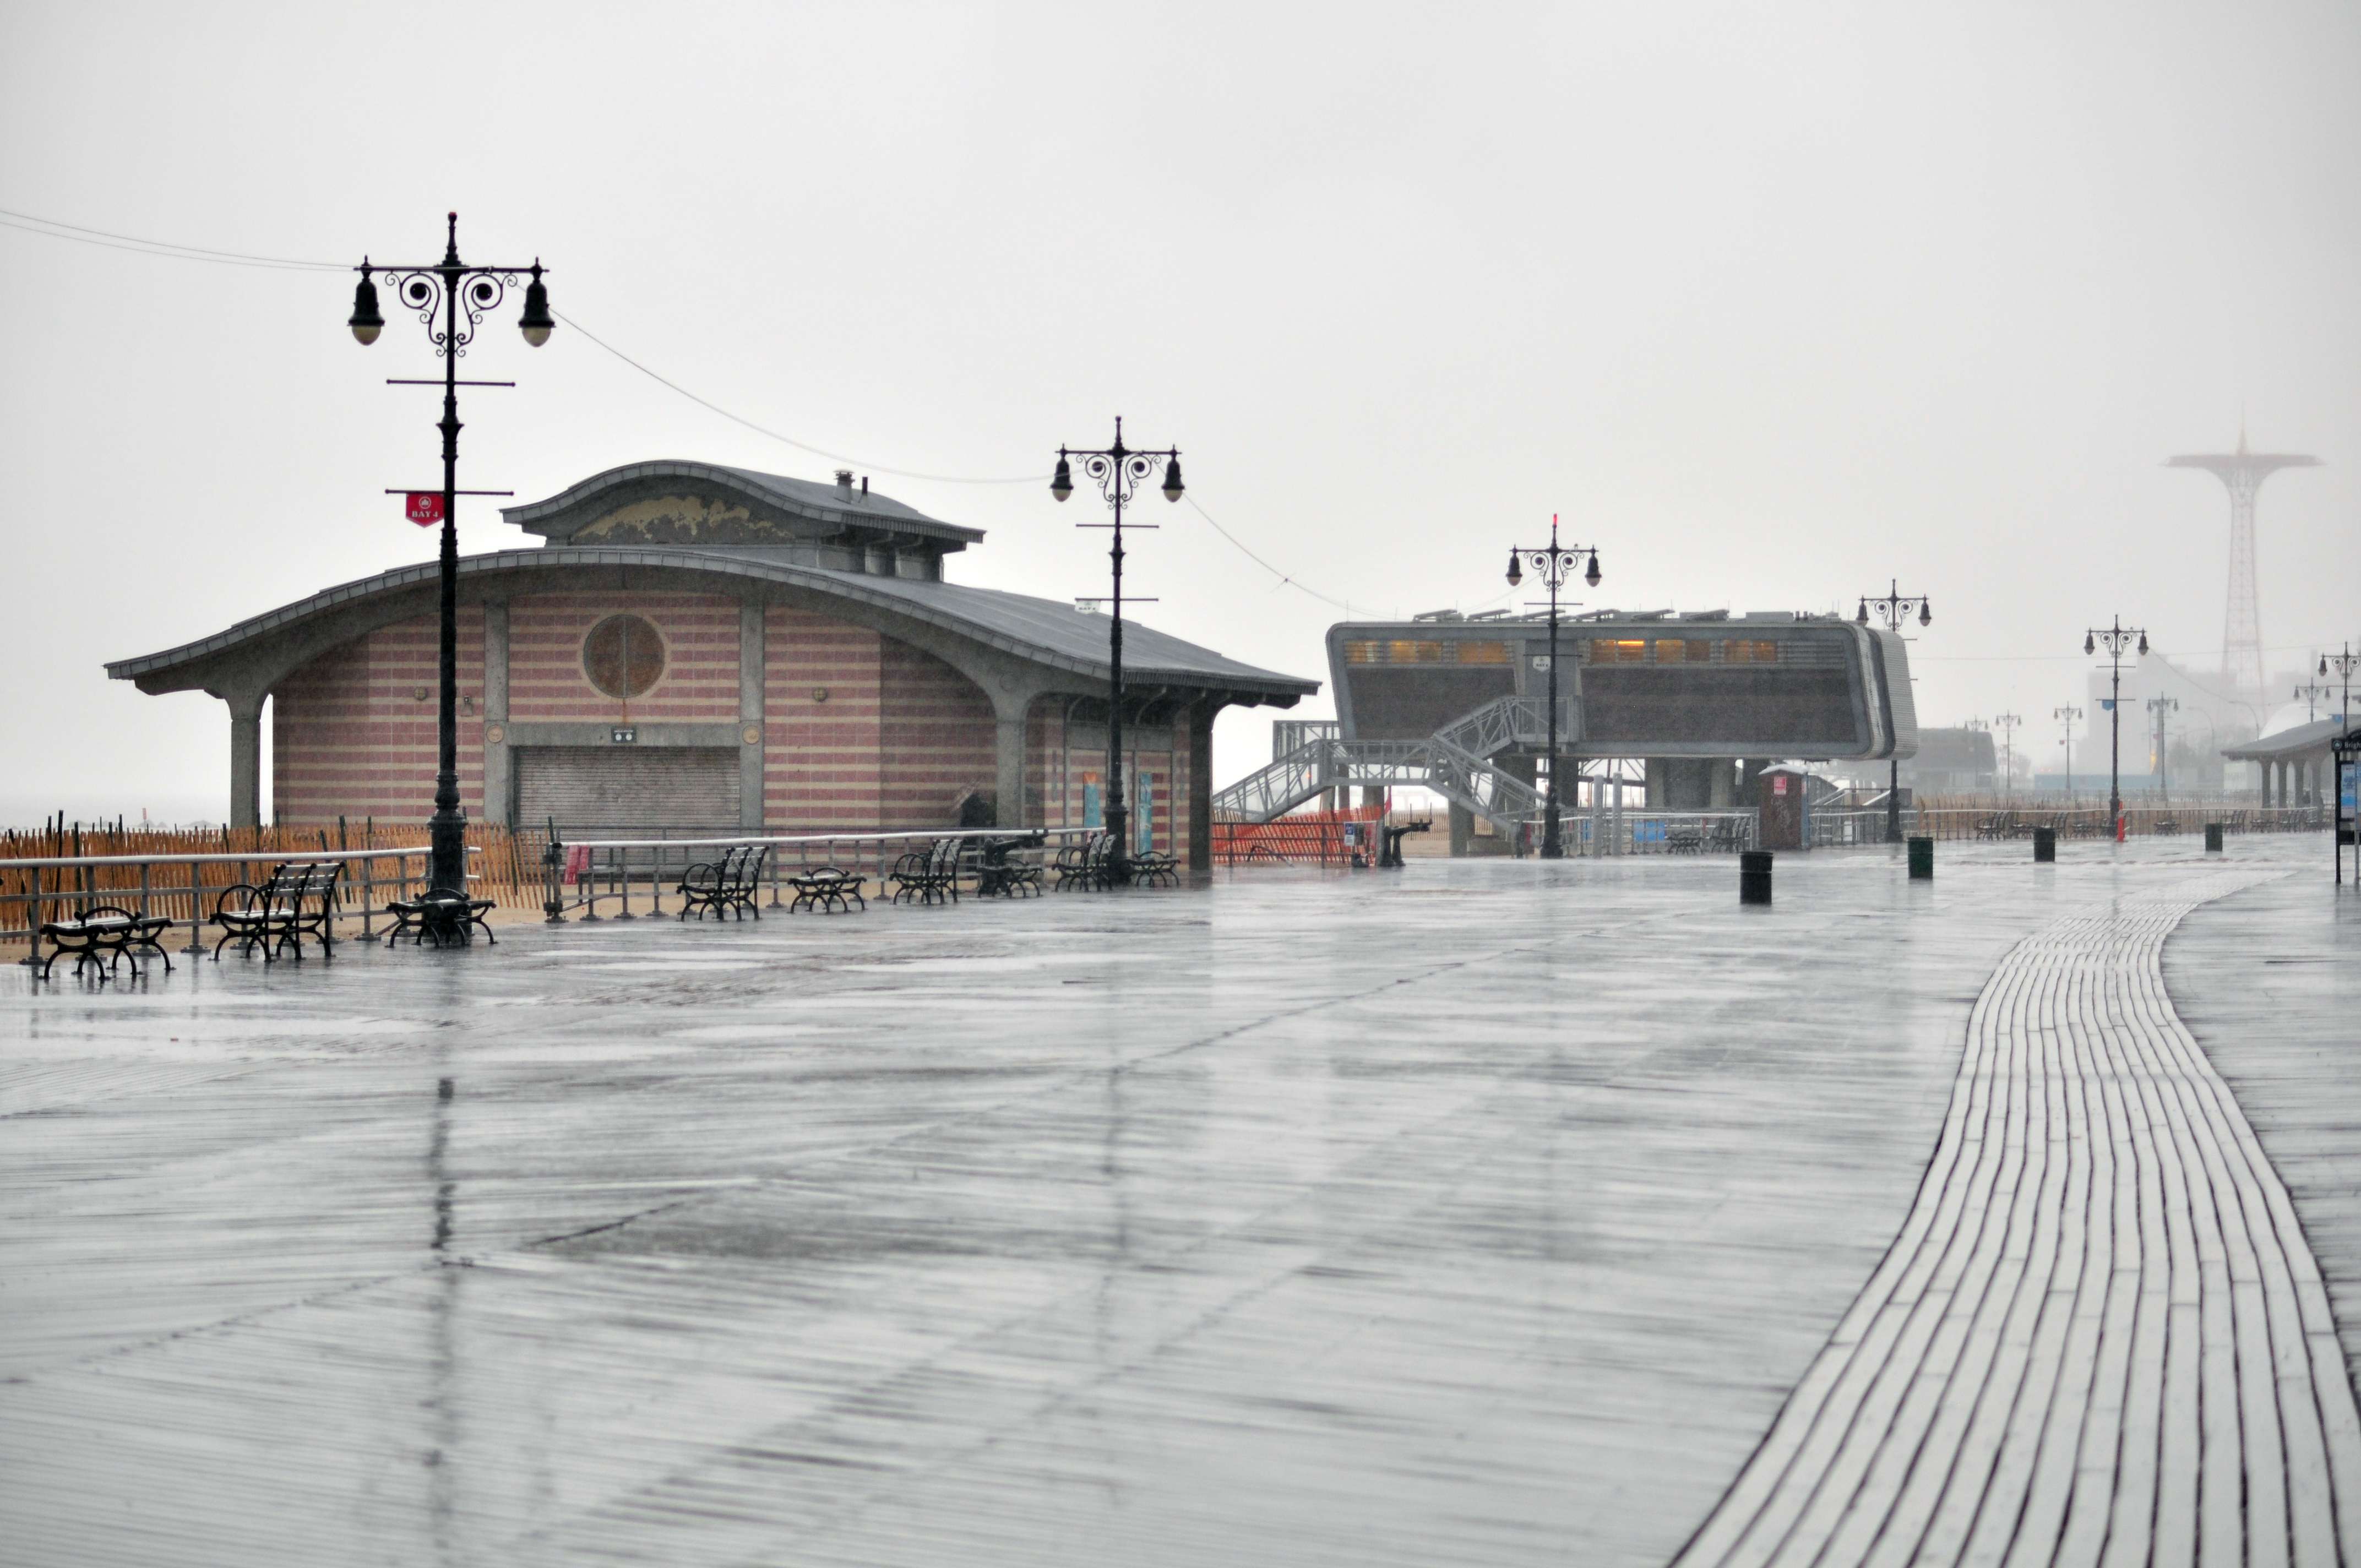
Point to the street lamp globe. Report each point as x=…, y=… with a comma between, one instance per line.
x=1516, y=571
x=1172, y=480
x=1062, y=484
x=2089, y=642
x=366, y=322
x=1592, y=575
x=535, y=323
x=1925, y=614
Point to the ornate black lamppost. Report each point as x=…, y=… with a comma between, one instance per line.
x=443, y=295
x=1893, y=608
x=2066, y=718
x=2006, y=724
x=2343, y=663
x=2116, y=638
x=2160, y=705
x=1119, y=471
x=1555, y=567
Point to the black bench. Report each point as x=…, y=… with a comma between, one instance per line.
x=997, y=876
x=299, y=896
x=105, y=929
x=1149, y=869
x=729, y=883
x=825, y=888
x=930, y=875
x=1084, y=865
x=1685, y=842
x=441, y=914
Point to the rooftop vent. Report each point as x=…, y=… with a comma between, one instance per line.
x=844, y=484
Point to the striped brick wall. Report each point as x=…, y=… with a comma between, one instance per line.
x=547, y=684
x=821, y=763
x=895, y=742
x=1066, y=770
x=935, y=735
x=351, y=736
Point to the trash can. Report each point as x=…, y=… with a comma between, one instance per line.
x=1922, y=859
x=1754, y=876
x=2212, y=838
x=2044, y=844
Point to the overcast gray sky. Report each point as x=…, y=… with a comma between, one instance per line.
x=1772, y=303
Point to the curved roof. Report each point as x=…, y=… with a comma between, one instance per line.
x=805, y=498
x=2301, y=740
x=1046, y=632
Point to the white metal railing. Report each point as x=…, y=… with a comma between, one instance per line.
x=580, y=872
x=1635, y=830
x=67, y=885
x=1831, y=828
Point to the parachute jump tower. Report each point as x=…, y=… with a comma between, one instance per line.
x=2242, y=473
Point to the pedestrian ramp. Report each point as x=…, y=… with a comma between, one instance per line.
x=1454, y=763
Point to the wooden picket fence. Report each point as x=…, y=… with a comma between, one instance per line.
x=507, y=869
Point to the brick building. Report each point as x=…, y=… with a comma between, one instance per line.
x=695, y=647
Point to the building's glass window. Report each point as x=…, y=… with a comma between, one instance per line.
x=623, y=656
x=1743, y=652
x=1408, y=651
x=1618, y=650
x=1678, y=650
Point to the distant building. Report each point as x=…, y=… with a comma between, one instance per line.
x=1953, y=762
x=1705, y=700
x=707, y=648
x=2297, y=766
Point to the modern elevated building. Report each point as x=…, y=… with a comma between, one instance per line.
x=1705, y=701
x=696, y=647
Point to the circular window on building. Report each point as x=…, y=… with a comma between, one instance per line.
x=623, y=656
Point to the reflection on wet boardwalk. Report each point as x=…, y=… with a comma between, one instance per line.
x=2100, y=1337
x=1480, y=1213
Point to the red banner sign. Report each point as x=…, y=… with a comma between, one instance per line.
x=425, y=508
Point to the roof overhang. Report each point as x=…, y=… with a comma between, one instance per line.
x=259, y=649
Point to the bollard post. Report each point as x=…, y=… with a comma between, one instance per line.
x=2212, y=838
x=1922, y=859
x=2045, y=845
x=1754, y=876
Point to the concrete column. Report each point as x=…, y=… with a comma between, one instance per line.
x=1462, y=831
x=1008, y=764
x=1722, y=783
x=499, y=768
x=1655, y=777
x=1200, y=807
x=1373, y=794
x=753, y=663
x=246, y=759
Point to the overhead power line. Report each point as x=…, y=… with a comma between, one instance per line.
x=177, y=252
x=710, y=405
x=51, y=228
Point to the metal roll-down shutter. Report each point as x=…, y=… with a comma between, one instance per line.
x=626, y=790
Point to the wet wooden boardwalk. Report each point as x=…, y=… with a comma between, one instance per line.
x=2101, y=1336
x=1481, y=1213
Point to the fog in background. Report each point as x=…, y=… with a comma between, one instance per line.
x=1772, y=304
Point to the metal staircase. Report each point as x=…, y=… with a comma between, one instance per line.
x=1454, y=763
